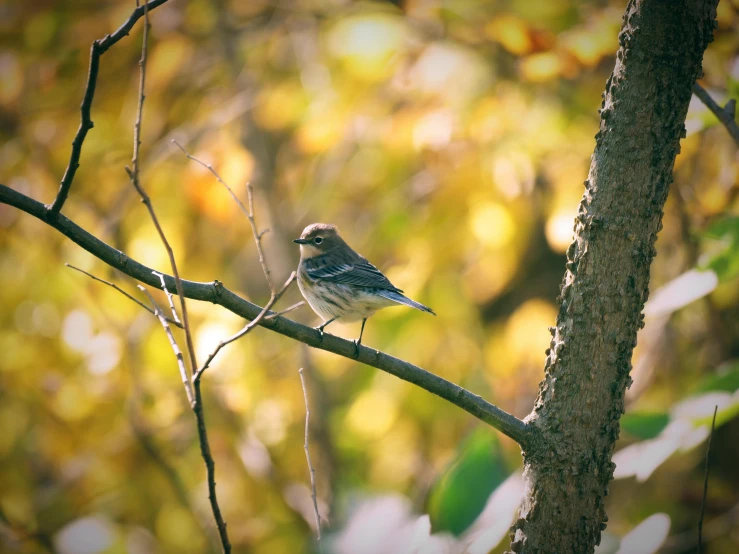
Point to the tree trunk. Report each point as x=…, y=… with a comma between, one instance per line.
x=576, y=418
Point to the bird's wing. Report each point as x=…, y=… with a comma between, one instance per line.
x=358, y=272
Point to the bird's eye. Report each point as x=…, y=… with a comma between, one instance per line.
x=318, y=240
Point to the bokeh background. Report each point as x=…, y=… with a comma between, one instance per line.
x=448, y=140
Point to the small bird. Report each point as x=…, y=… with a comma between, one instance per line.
x=339, y=284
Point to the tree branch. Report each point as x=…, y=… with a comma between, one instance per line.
x=247, y=328
x=606, y=282
x=248, y=213
x=169, y=296
x=210, y=466
x=216, y=293
x=98, y=48
x=173, y=343
x=195, y=398
x=725, y=115
x=133, y=174
x=196, y=403
x=286, y=310
x=311, y=470
x=124, y=293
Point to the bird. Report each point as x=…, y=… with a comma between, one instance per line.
x=339, y=284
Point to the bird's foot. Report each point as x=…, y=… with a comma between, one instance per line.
x=357, y=343
x=321, y=327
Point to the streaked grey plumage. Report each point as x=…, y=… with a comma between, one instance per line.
x=341, y=285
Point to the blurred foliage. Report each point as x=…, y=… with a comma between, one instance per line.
x=724, y=262
x=448, y=139
x=644, y=425
x=459, y=497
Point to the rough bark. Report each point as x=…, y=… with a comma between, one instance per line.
x=576, y=418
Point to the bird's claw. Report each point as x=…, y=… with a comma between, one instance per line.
x=356, y=347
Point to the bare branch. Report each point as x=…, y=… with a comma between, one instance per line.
x=195, y=397
x=196, y=403
x=175, y=347
x=140, y=105
x=144, y=434
x=133, y=174
x=247, y=328
x=705, y=483
x=124, y=293
x=725, y=115
x=210, y=467
x=286, y=310
x=169, y=298
x=248, y=213
x=216, y=293
x=258, y=237
x=311, y=470
x=215, y=174
x=98, y=48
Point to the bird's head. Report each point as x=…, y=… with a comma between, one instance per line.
x=318, y=239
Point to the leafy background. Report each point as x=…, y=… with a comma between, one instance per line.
x=448, y=140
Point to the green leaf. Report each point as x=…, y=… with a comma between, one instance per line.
x=725, y=261
x=725, y=379
x=726, y=264
x=722, y=227
x=459, y=496
x=644, y=425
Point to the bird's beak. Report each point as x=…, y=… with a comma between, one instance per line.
x=301, y=241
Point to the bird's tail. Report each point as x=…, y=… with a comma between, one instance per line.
x=400, y=299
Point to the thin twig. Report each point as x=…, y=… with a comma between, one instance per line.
x=216, y=293
x=169, y=298
x=195, y=397
x=210, y=467
x=123, y=292
x=258, y=237
x=705, y=483
x=718, y=526
x=98, y=48
x=311, y=470
x=140, y=104
x=286, y=310
x=196, y=403
x=249, y=213
x=215, y=174
x=175, y=347
x=146, y=441
x=178, y=282
x=246, y=329
x=143, y=434
x=725, y=115
x=133, y=174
